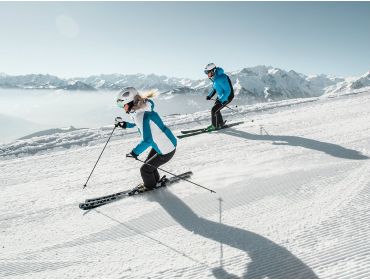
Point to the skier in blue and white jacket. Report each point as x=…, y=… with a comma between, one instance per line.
x=154, y=134
x=225, y=93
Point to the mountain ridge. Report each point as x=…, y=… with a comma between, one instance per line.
x=259, y=83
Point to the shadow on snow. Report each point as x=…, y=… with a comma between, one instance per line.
x=328, y=148
x=268, y=259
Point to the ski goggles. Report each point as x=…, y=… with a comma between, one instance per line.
x=208, y=71
x=120, y=103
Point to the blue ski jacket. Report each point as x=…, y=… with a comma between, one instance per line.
x=221, y=85
x=153, y=131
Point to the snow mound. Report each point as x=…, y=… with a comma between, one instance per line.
x=49, y=132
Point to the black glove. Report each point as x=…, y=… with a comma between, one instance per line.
x=118, y=122
x=132, y=155
x=208, y=97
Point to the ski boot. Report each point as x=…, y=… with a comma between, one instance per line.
x=162, y=182
x=139, y=189
x=210, y=128
x=222, y=125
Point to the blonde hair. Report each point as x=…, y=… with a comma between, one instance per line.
x=149, y=94
x=141, y=99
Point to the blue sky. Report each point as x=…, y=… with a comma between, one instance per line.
x=71, y=39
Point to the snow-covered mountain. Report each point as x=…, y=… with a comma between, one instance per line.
x=78, y=85
x=40, y=81
x=363, y=81
x=350, y=84
x=140, y=81
x=353, y=84
x=259, y=84
x=266, y=83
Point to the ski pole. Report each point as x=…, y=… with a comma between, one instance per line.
x=212, y=191
x=99, y=157
x=261, y=126
x=232, y=110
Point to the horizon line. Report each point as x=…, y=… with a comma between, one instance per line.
x=133, y=74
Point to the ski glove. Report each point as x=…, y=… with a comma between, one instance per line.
x=132, y=155
x=118, y=122
x=208, y=97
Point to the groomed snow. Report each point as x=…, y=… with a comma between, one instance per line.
x=292, y=200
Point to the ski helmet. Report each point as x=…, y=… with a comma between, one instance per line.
x=210, y=67
x=126, y=96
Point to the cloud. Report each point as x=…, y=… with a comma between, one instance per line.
x=67, y=26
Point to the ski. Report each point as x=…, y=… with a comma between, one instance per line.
x=188, y=133
x=191, y=130
x=196, y=130
x=99, y=201
x=107, y=196
x=167, y=181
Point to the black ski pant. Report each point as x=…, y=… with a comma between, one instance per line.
x=149, y=173
x=217, y=120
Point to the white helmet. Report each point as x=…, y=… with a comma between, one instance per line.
x=126, y=96
x=209, y=67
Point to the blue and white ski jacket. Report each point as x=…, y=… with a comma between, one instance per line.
x=221, y=85
x=153, y=131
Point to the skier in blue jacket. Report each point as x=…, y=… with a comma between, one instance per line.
x=154, y=133
x=225, y=93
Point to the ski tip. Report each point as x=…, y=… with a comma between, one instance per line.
x=84, y=207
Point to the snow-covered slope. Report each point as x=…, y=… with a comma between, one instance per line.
x=52, y=139
x=292, y=201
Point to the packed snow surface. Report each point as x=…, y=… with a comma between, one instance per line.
x=292, y=199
